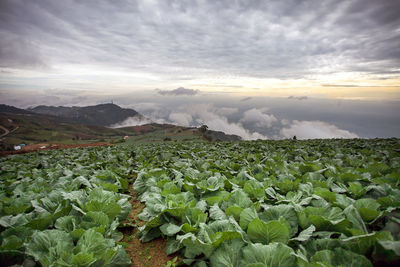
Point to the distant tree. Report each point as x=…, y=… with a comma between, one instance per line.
x=203, y=128
x=294, y=138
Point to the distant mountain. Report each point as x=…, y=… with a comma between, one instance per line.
x=13, y=110
x=99, y=115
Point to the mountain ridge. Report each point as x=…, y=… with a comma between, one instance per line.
x=97, y=115
x=13, y=110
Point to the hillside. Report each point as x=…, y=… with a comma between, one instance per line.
x=36, y=128
x=99, y=115
x=154, y=132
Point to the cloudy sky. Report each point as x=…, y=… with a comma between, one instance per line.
x=263, y=68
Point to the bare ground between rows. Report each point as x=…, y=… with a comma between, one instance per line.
x=143, y=254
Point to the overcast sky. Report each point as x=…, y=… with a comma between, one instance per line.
x=299, y=51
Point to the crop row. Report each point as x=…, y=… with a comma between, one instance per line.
x=259, y=203
x=62, y=208
x=268, y=203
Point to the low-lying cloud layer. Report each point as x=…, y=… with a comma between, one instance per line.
x=263, y=117
x=314, y=129
x=199, y=114
x=182, y=119
x=206, y=114
x=258, y=118
x=298, y=97
x=131, y=121
x=247, y=124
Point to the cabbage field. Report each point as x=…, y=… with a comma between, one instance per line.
x=247, y=203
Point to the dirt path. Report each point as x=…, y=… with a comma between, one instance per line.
x=6, y=131
x=13, y=130
x=143, y=254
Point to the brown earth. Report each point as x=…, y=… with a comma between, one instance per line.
x=46, y=146
x=143, y=254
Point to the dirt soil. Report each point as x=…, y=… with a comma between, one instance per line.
x=143, y=254
x=46, y=146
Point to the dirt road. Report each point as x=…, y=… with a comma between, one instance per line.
x=6, y=131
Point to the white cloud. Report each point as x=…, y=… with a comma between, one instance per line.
x=285, y=122
x=154, y=111
x=226, y=111
x=315, y=129
x=145, y=106
x=219, y=123
x=206, y=114
x=182, y=119
x=196, y=115
x=131, y=121
x=258, y=118
x=264, y=109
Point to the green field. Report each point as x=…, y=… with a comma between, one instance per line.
x=244, y=203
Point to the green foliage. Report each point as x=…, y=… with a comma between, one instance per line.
x=274, y=254
x=259, y=203
x=265, y=233
x=63, y=207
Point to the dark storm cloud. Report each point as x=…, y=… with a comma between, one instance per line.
x=283, y=39
x=298, y=97
x=178, y=91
